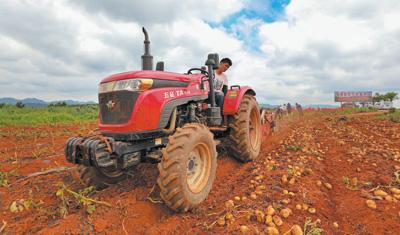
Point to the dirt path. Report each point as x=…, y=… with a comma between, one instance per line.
x=322, y=167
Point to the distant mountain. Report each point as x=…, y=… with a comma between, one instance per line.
x=33, y=102
x=8, y=101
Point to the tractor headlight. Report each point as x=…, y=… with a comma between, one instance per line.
x=134, y=84
x=106, y=87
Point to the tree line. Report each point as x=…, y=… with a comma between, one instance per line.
x=389, y=96
x=21, y=105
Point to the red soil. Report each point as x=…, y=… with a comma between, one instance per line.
x=320, y=147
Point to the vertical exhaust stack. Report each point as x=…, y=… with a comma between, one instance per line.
x=147, y=59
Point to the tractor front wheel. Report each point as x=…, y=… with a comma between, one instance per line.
x=188, y=167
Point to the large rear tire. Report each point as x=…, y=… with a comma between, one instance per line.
x=246, y=134
x=188, y=167
x=100, y=178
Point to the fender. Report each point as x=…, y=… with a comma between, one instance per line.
x=233, y=98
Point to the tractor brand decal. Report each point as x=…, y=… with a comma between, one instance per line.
x=110, y=105
x=173, y=94
x=232, y=94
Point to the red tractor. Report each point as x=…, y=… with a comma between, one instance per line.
x=170, y=119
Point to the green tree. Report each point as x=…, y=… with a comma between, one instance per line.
x=390, y=96
x=377, y=98
x=19, y=104
x=58, y=104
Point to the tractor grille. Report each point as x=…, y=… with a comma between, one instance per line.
x=116, y=107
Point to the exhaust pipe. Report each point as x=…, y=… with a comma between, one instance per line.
x=147, y=59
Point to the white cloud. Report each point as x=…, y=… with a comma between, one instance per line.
x=162, y=12
x=327, y=46
x=61, y=49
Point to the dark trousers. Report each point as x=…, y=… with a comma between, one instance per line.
x=219, y=100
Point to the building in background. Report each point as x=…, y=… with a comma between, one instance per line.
x=353, y=99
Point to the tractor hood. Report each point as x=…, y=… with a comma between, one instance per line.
x=148, y=74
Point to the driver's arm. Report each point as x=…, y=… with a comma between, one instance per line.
x=225, y=89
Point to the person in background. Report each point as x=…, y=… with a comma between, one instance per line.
x=299, y=109
x=289, y=108
x=279, y=112
x=221, y=82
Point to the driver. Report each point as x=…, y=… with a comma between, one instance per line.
x=221, y=81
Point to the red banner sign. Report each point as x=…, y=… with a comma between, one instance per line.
x=353, y=96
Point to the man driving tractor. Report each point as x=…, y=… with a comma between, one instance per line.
x=221, y=81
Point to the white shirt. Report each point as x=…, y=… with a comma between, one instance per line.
x=219, y=81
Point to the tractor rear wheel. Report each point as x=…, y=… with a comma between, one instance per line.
x=100, y=178
x=188, y=167
x=246, y=134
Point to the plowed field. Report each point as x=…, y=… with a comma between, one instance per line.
x=339, y=174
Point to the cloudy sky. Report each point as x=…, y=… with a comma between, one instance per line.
x=289, y=51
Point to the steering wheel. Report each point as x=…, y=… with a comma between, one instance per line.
x=197, y=69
